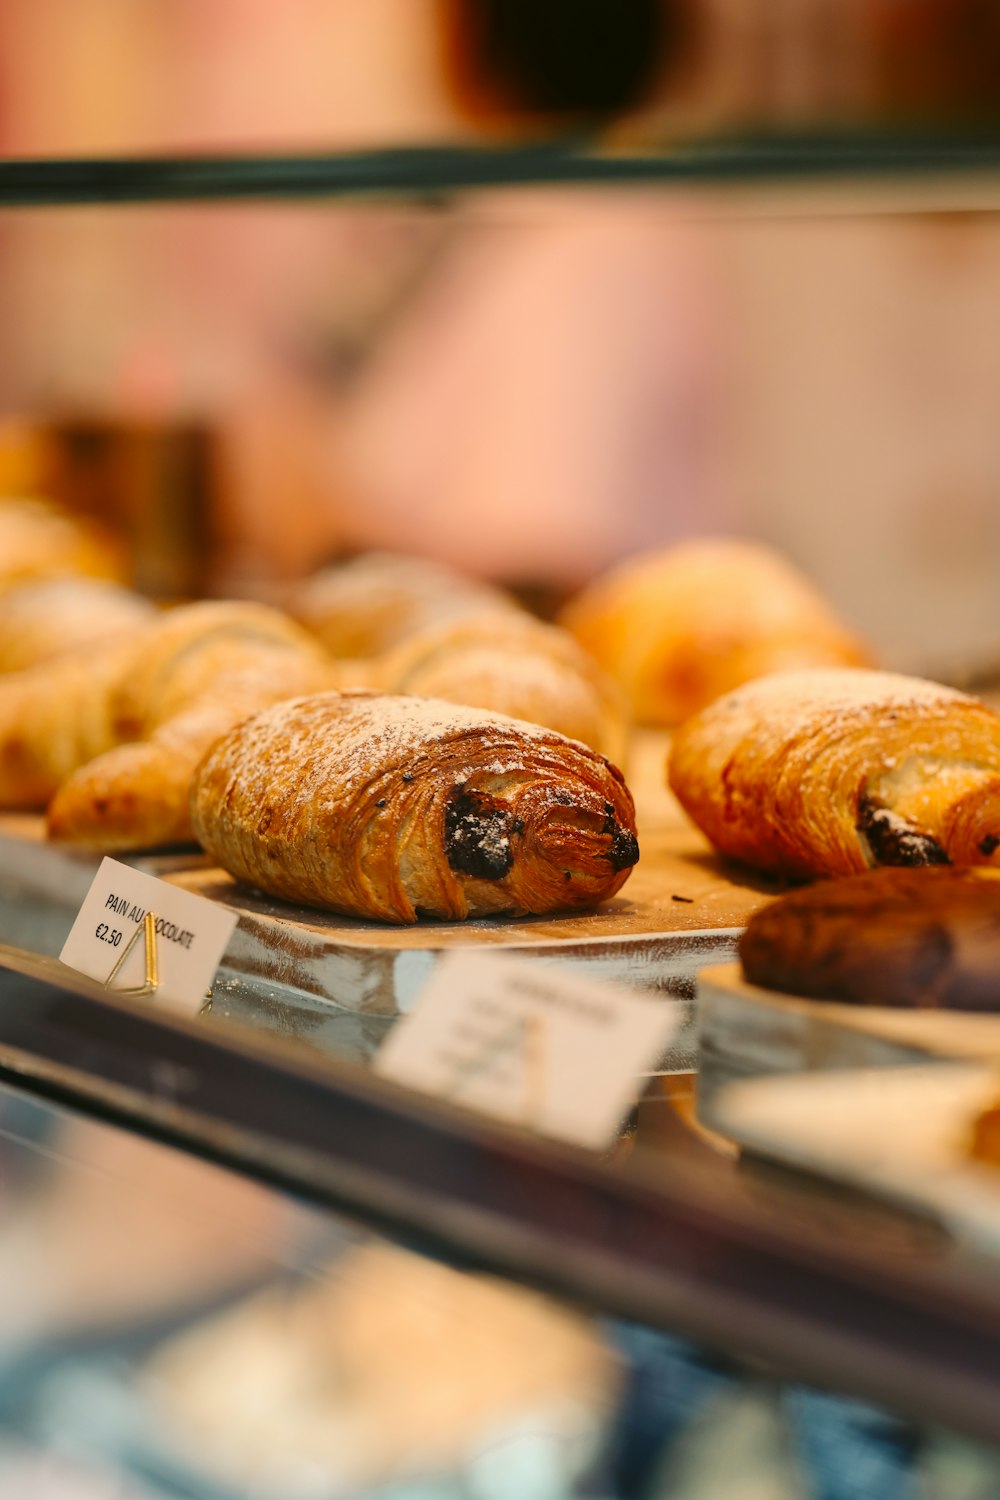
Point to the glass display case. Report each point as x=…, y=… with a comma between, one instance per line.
x=238, y=1261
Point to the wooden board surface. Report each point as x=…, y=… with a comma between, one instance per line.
x=747, y=1031
x=681, y=908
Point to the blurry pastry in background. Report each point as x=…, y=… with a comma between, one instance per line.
x=40, y=620
x=511, y=665
x=677, y=629
x=38, y=540
x=391, y=1366
x=366, y=607
x=193, y=675
x=56, y=716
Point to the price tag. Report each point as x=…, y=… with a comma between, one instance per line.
x=527, y=1043
x=190, y=935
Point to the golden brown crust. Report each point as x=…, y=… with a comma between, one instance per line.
x=922, y=938
x=515, y=666
x=196, y=673
x=677, y=629
x=394, y=808
x=56, y=716
x=372, y=604
x=40, y=620
x=830, y=772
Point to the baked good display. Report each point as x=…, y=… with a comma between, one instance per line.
x=40, y=620
x=385, y=1366
x=919, y=938
x=38, y=540
x=678, y=628
x=510, y=665
x=192, y=675
x=832, y=772
x=396, y=808
x=371, y=604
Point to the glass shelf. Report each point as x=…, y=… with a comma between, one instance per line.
x=429, y=171
x=760, y=1265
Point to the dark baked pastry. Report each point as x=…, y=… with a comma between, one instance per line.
x=393, y=808
x=927, y=937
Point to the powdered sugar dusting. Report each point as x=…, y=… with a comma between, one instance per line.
x=767, y=707
x=373, y=734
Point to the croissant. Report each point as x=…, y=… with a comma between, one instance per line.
x=515, y=666
x=196, y=673
x=399, y=808
x=679, y=628
x=39, y=620
x=831, y=772
x=56, y=716
x=369, y=605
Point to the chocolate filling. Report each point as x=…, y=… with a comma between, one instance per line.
x=477, y=836
x=624, y=851
x=989, y=845
x=894, y=841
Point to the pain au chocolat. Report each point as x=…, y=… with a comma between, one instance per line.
x=832, y=772
x=394, y=808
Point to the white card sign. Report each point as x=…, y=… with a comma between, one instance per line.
x=530, y=1044
x=190, y=933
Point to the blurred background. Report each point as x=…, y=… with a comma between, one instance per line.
x=527, y=384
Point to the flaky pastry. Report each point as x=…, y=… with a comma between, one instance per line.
x=40, y=620
x=55, y=717
x=371, y=604
x=831, y=772
x=198, y=671
x=511, y=665
x=396, y=808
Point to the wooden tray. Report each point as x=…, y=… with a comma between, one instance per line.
x=342, y=981
x=745, y=1031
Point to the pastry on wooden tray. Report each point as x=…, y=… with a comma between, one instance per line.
x=924, y=938
x=40, y=620
x=511, y=665
x=38, y=540
x=678, y=628
x=195, y=673
x=369, y=605
x=395, y=808
x=834, y=772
